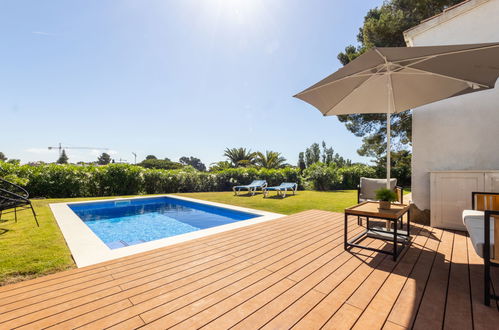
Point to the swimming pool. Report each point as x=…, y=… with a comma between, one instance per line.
x=126, y=222
x=97, y=221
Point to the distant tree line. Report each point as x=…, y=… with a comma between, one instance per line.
x=320, y=167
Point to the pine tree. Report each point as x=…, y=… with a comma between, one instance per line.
x=63, y=158
x=301, y=161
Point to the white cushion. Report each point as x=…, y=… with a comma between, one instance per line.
x=474, y=222
x=472, y=214
x=369, y=186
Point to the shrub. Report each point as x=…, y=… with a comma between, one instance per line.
x=320, y=176
x=351, y=175
x=56, y=180
x=120, y=179
x=163, y=164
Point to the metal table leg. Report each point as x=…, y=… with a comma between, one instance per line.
x=395, y=241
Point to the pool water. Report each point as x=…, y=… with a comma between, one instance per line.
x=134, y=221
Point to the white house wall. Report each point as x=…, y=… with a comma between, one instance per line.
x=460, y=133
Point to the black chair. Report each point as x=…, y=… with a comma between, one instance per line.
x=14, y=198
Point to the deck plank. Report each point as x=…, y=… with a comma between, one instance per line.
x=405, y=308
x=150, y=282
x=286, y=310
x=159, y=303
x=431, y=310
x=458, y=307
x=288, y=272
x=484, y=317
x=376, y=313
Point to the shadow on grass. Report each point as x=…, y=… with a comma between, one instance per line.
x=279, y=197
x=3, y=231
x=249, y=195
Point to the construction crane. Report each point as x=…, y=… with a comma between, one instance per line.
x=61, y=148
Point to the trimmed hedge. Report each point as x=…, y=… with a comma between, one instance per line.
x=56, y=181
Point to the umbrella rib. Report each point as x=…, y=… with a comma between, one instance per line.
x=414, y=63
x=420, y=71
x=355, y=75
x=426, y=57
x=344, y=97
x=381, y=55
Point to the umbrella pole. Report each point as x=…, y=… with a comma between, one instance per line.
x=388, y=148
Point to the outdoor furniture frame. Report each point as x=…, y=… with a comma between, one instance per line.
x=14, y=197
x=485, y=207
x=380, y=183
x=252, y=187
x=370, y=210
x=281, y=189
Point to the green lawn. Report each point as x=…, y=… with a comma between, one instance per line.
x=335, y=201
x=27, y=251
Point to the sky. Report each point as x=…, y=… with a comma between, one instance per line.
x=170, y=78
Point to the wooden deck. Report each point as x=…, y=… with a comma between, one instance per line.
x=286, y=273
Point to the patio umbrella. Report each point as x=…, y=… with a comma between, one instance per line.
x=396, y=79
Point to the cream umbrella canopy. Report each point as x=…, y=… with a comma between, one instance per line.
x=396, y=79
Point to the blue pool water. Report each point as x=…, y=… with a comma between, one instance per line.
x=134, y=221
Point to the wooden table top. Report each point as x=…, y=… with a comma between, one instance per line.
x=371, y=209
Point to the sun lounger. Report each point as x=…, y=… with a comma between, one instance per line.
x=482, y=224
x=281, y=189
x=252, y=187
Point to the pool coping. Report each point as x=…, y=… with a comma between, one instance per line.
x=88, y=249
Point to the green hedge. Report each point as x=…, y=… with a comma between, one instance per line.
x=54, y=180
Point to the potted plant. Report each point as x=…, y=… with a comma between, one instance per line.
x=385, y=197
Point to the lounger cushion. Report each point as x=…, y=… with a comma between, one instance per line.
x=255, y=183
x=283, y=186
x=474, y=222
x=369, y=186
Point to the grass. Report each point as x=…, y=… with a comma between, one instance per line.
x=27, y=251
x=335, y=201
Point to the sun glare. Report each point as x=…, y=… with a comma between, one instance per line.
x=237, y=11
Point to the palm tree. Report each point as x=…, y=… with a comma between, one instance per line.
x=271, y=159
x=220, y=166
x=240, y=157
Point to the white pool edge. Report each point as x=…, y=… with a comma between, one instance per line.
x=88, y=249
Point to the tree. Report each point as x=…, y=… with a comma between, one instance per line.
x=240, y=157
x=2, y=157
x=104, y=159
x=160, y=164
x=14, y=161
x=327, y=154
x=271, y=159
x=63, y=158
x=383, y=27
x=151, y=157
x=301, y=161
x=312, y=154
x=400, y=167
x=194, y=162
x=220, y=166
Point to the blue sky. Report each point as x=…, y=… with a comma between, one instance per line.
x=170, y=78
